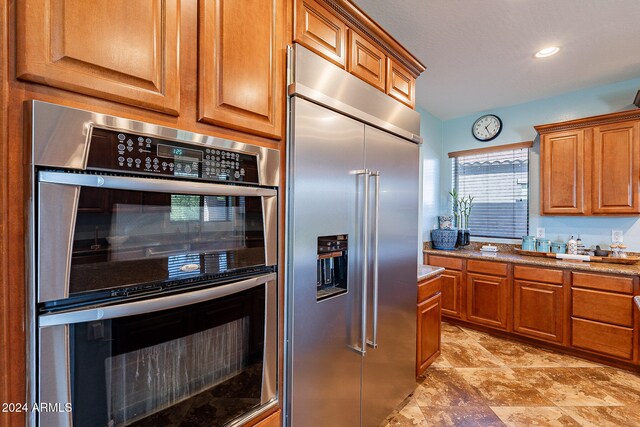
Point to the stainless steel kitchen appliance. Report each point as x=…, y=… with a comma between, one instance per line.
x=152, y=291
x=352, y=226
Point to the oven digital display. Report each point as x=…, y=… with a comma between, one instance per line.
x=179, y=153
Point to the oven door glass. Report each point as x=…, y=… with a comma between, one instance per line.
x=200, y=364
x=127, y=238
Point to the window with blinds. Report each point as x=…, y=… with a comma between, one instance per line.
x=499, y=183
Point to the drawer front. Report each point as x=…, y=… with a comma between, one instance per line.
x=487, y=267
x=602, y=338
x=429, y=288
x=603, y=306
x=602, y=282
x=446, y=262
x=536, y=274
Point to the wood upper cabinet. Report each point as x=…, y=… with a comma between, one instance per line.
x=562, y=175
x=591, y=166
x=616, y=168
x=119, y=50
x=487, y=300
x=241, y=65
x=428, y=323
x=366, y=61
x=400, y=83
x=321, y=31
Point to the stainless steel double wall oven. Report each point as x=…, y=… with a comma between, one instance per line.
x=153, y=265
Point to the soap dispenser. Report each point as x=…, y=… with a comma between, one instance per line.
x=572, y=246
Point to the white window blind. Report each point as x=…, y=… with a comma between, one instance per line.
x=499, y=183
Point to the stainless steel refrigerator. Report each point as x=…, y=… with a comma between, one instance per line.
x=352, y=243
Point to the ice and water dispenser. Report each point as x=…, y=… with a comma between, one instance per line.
x=332, y=266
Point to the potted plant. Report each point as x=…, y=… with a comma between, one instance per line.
x=462, y=210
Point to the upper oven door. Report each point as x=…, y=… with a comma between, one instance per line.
x=101, y=233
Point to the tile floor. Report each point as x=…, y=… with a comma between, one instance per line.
x=482, y=380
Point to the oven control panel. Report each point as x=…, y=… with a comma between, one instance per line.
x=131, y=153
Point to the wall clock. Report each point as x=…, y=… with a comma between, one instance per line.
x=486, y=127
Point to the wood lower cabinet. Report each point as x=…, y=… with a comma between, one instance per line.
x=120, y=50
x=538, y=310
x=603, y=315
x=487, y=300
x=452, y=293
x=452, y=285
x=589, y=313
x=591, y=166
x=241, y=66
x=428, y=323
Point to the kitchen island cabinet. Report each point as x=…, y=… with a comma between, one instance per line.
x=429, y=325
x=581, y=309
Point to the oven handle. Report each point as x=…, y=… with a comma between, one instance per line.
x=152, y=184
x=151, y=305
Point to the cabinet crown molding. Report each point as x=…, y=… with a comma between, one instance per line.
x=355, y=17
x=589, y=121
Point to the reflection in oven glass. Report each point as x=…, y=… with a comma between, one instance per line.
x=195, y=365
x=128, y=238
x=148, y=380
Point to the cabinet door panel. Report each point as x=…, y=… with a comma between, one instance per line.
x=400, y=83
x=538, y=310
x=562, y=172
x=616, y=168
x=320, y=31
x=366, y=61
x=241, y=65
x=602, y=338
x=452, y=293
x=428, y=345
x=487, y=300
x=603, y=306
x=120, y=50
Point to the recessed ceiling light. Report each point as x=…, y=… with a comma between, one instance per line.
x=547, y=51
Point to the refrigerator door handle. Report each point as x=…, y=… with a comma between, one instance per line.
x=362, y=347
x=376, y=203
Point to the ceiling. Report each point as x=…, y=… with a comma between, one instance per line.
x=479, y=54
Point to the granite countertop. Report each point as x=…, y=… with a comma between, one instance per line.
x=426, y=271
x=596, y=267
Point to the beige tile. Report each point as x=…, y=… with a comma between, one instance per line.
x=409, y=415
x=514, y=354
x=469, y=355
x=565, y=387
x=453, y=333
x=605, y=416
x=440, y=362
x=622, y=385
x=501, y=387
x=534, y=416
x=467, y=416
x=446, y=387
x=567, y=361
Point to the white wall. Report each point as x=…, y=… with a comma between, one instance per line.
x=518, y=122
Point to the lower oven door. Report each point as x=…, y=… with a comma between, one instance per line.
x=206, y=357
